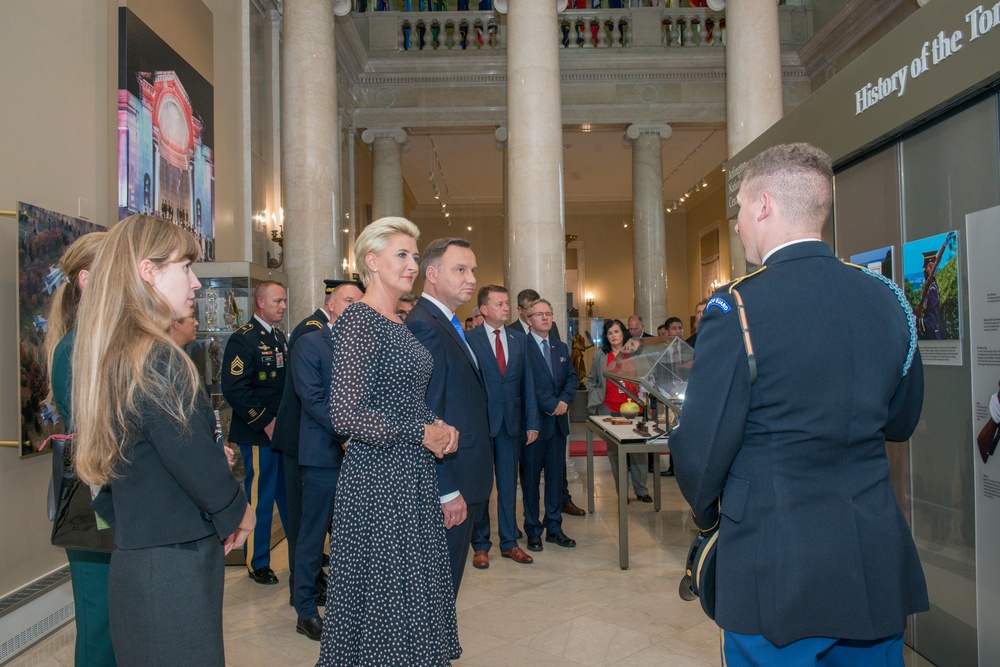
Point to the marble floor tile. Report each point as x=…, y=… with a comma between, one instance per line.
x=570, y=607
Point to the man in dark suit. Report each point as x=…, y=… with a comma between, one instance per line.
x=814, y=556
x=456, y=392
x=320, y=455
x=636, y=327
x=339, y=295
x=525, y=298
x=555, y=386
x=513, y=412
x=699, y=310
x=253, y=379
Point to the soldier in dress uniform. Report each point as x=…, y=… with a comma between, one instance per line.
x=253, y=379
x=929, y=312
x=815, y=563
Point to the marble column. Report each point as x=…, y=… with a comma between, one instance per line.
x=501, y=138
x=753, y=87
x=649, y=260
x=536, y=243
x=387, y=170
x=310, y=153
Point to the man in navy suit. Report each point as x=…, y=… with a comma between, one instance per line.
x=555, y=386
x=814, y=557
x=513, y=414
x=456, y=392
x=320, y=452
x=339, y=295
x=525, y=298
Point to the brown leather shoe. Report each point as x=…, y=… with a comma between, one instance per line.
x=481, y=559
x=573, y=510
x=518, y=556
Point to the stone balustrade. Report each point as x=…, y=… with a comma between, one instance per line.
x=627, y=28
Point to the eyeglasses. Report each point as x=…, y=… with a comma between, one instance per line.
x=546, y=315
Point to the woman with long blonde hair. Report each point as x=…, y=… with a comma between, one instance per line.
x=145, y=428
x=89, y=569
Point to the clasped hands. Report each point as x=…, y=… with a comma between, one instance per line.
x=440, y=438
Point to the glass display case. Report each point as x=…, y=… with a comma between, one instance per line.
x=654, y=371
x=223, y=304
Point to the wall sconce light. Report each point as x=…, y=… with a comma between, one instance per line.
x=277, y=235
x=590, y=304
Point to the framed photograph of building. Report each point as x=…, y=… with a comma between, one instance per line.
x=166, y=162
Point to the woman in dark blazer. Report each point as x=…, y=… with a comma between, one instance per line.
x=145, y=426
x=604, y=398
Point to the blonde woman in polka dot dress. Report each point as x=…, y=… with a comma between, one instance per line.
x=390, y=600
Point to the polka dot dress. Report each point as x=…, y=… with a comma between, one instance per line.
x=390, y=599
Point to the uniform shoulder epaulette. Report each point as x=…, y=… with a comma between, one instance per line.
x=314, y=323
x=245, y=328
x=911, y=320
x=731, y=286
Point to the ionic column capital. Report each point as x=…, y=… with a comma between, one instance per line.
x=636, y=130
x=395, y=133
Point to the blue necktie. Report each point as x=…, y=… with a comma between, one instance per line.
x=547, y=354
x=458, y=327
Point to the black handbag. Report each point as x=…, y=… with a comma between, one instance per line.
x=75, y=524
x=699, y=570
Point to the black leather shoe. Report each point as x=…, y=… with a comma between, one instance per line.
x=310, y=627
x=669, y=472
x=264, y=575
x=561, y=539
x=534, y=543
x=646, y=498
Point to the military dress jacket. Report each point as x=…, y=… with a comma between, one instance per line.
x=812, y=542
x=253, y=380
x=286, y=429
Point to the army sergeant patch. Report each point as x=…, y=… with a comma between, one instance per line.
x=236, y=368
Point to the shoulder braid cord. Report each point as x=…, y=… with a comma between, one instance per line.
x=911, y=321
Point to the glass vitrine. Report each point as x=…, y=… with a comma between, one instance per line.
x=654, y=371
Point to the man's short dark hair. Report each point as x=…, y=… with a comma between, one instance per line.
x=435, y=251
x=671, y=320
x=409, y=297
x=469, y=319
x=484, y=294
x=526, y=296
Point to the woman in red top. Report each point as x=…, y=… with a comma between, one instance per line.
x=605, y=398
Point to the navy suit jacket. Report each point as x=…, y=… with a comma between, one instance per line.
x=811, y=539
x=550, y=388
x=457, y=394
x=512, y=402
x=312, y=357
x=286, y=428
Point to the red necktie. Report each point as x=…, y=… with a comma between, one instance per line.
x=501, y=361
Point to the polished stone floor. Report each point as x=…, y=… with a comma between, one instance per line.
x=571, y=607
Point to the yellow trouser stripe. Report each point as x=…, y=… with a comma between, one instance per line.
x=253, y=501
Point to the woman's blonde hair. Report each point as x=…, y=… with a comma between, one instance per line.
x=124, y=356
x=375, y=238
x=79, y=257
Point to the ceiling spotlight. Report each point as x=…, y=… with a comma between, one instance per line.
x=447, y=214
x=469, y=228
x=704, y=182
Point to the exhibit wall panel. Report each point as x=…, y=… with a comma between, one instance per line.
x=867, y=216
x=949, y=169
